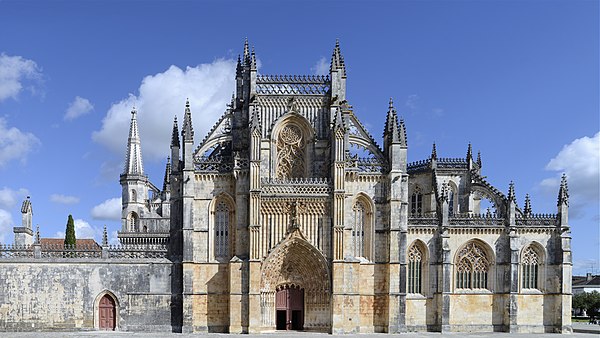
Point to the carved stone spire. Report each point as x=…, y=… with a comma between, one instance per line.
x=253, y=60
x=175, y=135
x=563, y=191
x=391, y=134
x=511, y=191
x=167, y=179
x=479, y=159
x=527, y=208
x=133, y=161
x=246, y=52
x=469, y=153
x=337, y=60
x=187, y=130
x=238, y=67
x=104, y=237
x=433, y=152
x=403, y=141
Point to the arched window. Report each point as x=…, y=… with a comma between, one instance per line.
x=133, y=195
x=530, y=263
x=451, y=202
x=132, y=222
x=290, y=153
x=415, y=268
x=361, y=230
x=416, y=203
x=222, y=222
x=472, y=267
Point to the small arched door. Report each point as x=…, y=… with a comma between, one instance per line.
x=107, y=313
x=290, y=308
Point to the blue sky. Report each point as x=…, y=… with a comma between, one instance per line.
x=517, y=79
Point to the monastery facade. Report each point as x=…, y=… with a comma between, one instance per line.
x=289, y=216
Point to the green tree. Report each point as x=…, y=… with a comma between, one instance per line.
x=70, y=232
x=588, y=301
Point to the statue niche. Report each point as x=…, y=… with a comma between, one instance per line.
x=291, y=153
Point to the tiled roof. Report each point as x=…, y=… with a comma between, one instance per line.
x=84, y=242
x=583, y=281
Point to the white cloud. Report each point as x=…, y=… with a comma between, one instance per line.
x=321, y=67
x=83, y=230
x=580, y=161
x=5, y=223
x=108, y=210
x=78, y=107
x=64, y=199
x=9, y=198
x=15, y=144
x=161, y=96
x=14, y=72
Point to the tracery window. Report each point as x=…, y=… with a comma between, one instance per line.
x=415, y=273
x=290, y=153
x=416, y=203
x=362, y=229
x=222, y=218
x=530, y=265
x=132, y=222
x=472, y=267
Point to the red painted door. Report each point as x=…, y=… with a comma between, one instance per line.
x=289, y=306
x=107, y=313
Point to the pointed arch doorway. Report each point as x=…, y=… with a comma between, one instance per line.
x=295, y=287
x=289, y=303
x=107, y=313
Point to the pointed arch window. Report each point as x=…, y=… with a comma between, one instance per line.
x=291, y=152
x=361, y=230
x=222, y=222
x=472, y=267
x=451, y=202
x=530, y=268
x=416, y=203
x=415, y=268
x=132, y=222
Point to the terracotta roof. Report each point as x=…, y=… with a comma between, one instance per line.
x=84, y=242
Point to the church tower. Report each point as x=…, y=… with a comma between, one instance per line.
x=134, y=183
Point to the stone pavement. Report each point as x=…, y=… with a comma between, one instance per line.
x=593, y=331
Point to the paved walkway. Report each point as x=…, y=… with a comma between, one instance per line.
x=593, y=331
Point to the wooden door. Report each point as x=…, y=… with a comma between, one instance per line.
x=107, y=313
x=289, y=306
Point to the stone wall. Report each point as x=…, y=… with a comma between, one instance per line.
x=63, y=294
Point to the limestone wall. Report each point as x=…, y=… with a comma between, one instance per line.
x=63, y=294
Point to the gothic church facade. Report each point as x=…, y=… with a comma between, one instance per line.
x=289, y=216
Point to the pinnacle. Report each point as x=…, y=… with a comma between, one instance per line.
x=527, y=208
x=433, y=152
x=511, y=191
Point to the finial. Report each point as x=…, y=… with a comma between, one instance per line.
x=253, y=59
x=391, y=106
x=37, y=234
x=479, y=159
x=527, y=208
x=511, y=191
x=563, y=192
x=433, y=152
x=469, y=152
x=104, y=237
x=187, y=102
x=246, y=51
x=175, y=135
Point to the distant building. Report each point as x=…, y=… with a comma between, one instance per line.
x=587, y=283
x=289, y=216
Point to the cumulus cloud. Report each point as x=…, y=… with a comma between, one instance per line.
x=161, y=96
x=64, y=199
x=580, y=161
x=321, y=67
x=10, y=198
x=83, y=230
x=15, y=144
x=108, y=210
x=15, y=71
x=78, y=107
x=5, y=223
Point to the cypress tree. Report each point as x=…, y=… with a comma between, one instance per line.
x=70, y=232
